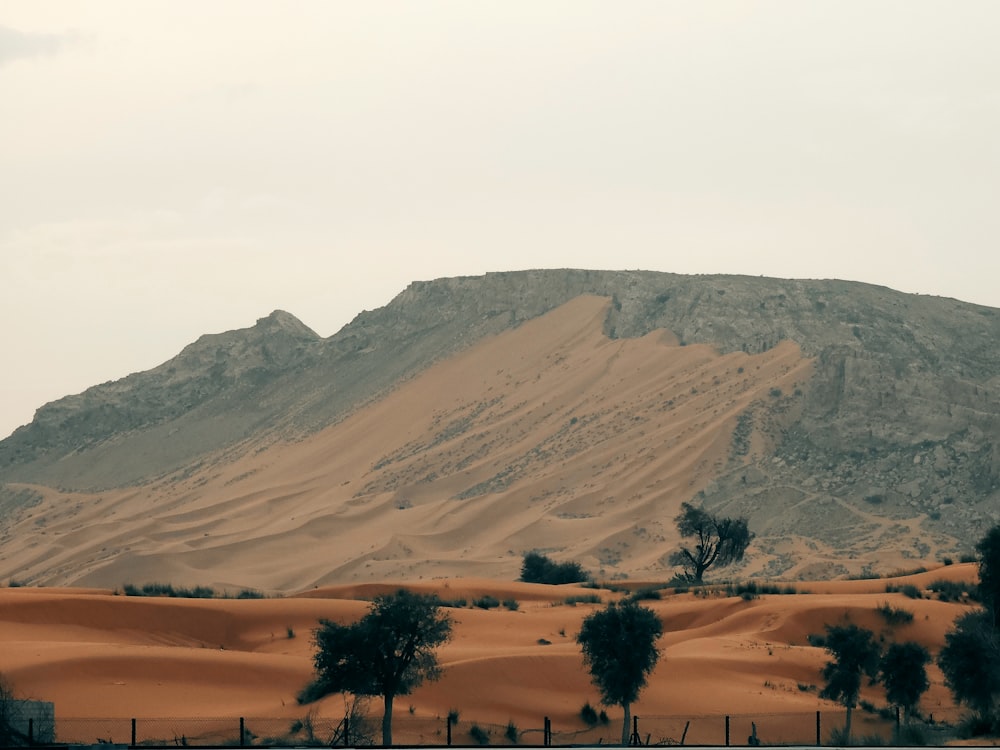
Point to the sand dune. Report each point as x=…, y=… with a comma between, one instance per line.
x=97, y=654
x=549, y=436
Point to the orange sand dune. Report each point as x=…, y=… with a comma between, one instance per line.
x=96, y=654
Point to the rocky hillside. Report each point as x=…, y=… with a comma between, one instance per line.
x=892, y=438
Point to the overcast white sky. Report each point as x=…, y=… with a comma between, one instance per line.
x=175, y=168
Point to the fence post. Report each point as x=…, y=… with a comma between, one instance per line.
x=31, y=731
x=635, y=732
x=449, y=729
x=727, y=730
x=819, y=741
x=243, y=732
x=133, y=733
x=547, y=733
x=898, y=728
x=347, y=731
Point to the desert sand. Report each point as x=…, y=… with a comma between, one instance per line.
x=100, y=655
x=550, y=436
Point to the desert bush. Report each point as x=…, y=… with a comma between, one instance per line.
x=950, y=591
x=479, y=734
x=455, y=603
x=511, y=732
x=453, y=715
x=588, y=714
x=907, y=590
x=894, y=615
x=486, y=602
x=511, y=604
x=912, y=735
x=537, y=568
x=582, y=599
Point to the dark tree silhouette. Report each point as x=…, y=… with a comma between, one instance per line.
x=855, y=653
x=717, y=541
x=989, y=573
x=537, y=568
x=389, y=652
x=970, y=661
x=619, y=649
x=904, y=674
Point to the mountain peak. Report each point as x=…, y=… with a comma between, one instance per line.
x=279, y=320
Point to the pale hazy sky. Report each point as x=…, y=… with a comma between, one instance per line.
x=175, y=168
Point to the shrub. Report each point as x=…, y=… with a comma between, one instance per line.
x=486, y=602
x=454, y=603
x=511, y=604
x=537, y=568
x=952, y=591
x=453, y=715
x=913, y=735
x=511, y=732
x=479, y=734
x=907, y=589
x=588, y=714
x=249, y=594
x=894, y=615
x=291, y=632
x=967, y=558
x=582, y=599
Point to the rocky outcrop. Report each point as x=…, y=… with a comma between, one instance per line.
x=900, y=420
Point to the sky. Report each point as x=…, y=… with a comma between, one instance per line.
x=169, y=169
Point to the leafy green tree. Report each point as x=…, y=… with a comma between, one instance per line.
x=537, y=568
x=619, y=649
x=717, y=541
x=989, y=573
x=855, y=653
x=904, y=674
x=389, y=652
x=970, y=661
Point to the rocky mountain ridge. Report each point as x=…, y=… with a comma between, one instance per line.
x=896, y=433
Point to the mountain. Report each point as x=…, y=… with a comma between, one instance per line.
x=472, y=419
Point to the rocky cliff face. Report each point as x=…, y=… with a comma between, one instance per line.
x=900, y=420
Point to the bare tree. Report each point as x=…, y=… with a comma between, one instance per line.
x=717, y=541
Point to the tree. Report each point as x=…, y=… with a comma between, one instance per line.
x=619, y=649
x=10, y=715
x=855, y=653
x=970, y=661
x=718, y=541
x=904, y=674
x=537, y=568
x=989, y=573
x=389, y=652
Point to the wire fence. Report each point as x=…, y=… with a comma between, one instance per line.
x=817, y=728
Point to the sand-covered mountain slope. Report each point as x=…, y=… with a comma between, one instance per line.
x=95, y=654
x=549, y=436
x=473, y=419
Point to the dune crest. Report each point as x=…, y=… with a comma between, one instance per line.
x=99, y=655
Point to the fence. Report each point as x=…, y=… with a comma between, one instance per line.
x=712, y=730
